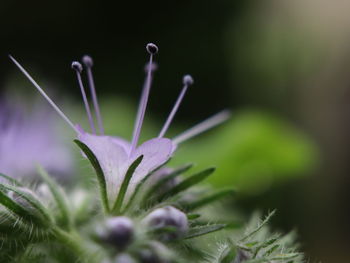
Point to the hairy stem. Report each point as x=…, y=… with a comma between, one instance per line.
x=74, y=242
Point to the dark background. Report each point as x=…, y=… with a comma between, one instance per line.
x=236, y=60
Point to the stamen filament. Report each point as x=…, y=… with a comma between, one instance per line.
x=88, y=62
x=78, y=68
x=202, y=127
x=187, y=81
x=152, y=50
x=43, y=93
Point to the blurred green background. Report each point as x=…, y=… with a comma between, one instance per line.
x=282, y=67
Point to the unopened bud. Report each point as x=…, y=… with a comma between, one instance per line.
x=168, y=217
x=241, y=257
x=118, y=231
x=124, y=258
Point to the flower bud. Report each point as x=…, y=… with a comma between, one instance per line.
x=168, y=217
x=241, y=257
x=149, y=256
x=19, y=198
x=118, y=231
x=124, y=258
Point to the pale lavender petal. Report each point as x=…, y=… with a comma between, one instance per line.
x=155, y=153
x=122, y=142
x=113, y=159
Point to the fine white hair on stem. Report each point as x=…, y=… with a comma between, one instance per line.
x=77, y=67
x=187, y=81
x=152, y=49
x=203, y=126
x=43, y=93
x=88, y=62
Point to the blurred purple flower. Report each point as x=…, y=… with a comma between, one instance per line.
x=114, y=154
x=28, y=139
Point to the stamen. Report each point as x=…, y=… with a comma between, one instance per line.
x=43, y=93
x=78, y=69
x=152, y=49
x=203, y=126
x=88, y=62
x=187, y=81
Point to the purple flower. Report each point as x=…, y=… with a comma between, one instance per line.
x=114, y=154
x=26, y=140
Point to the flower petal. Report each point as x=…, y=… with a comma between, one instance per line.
x=155, y=153
x=113, y=159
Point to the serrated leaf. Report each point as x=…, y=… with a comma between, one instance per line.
x=187, y=183
x=59, y=196
x=99, y=173
x=34, y=202
x=264, y=244
x=203, y=230
x=259, y=227
x=124, y=187
x=271, y=250
x=209, y=199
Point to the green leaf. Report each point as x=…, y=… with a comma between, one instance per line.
x=193, y=216
x=157, y=186
x=33, y=201
x=209, y=199
x=11, y=180
x=259, y=227
x=227, y=254
x=285, y=256
x=124, y=187
x=187, y=183
x=271, y=250
x=59, y=196
x=138, y=188
x=265, y=244
x=136, y=191
x=13, y=206
x=203, y=230
x=99, y=173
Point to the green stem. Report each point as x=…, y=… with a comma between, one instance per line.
x=72, y=241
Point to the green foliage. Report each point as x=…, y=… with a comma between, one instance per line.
x=48, y=224
x=124, y=187
x=253, y=151
x=99, y=173
x=258, y=244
